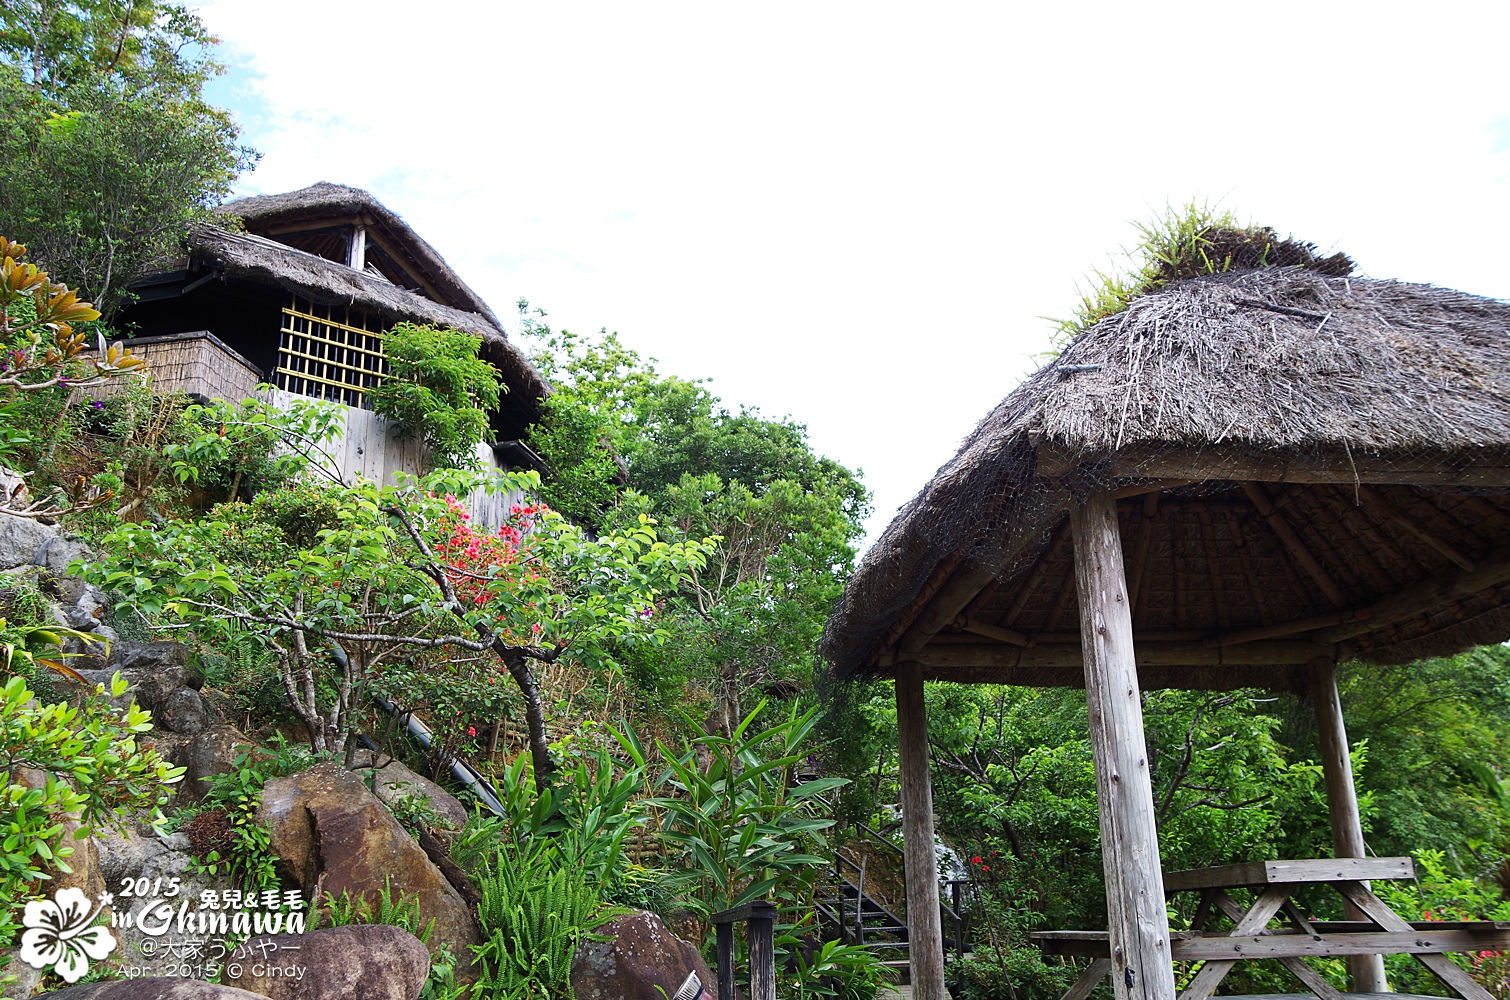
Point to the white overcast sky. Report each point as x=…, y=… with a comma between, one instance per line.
x=856, y=214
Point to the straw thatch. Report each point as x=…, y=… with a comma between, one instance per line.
x=326, y=201
x=1368, y=420
x=321, y=281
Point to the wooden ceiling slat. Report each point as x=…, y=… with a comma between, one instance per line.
x=1148, y=513
x=1351, y=565
x=1030, y=586
x=1061, y=599
x=1257, y=594
x=1373, y=500
x=1292, y=544
x=1208, y=540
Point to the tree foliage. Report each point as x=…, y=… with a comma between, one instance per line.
x=374, y=576
x=438, y=391
x=135, y=46
x=623, y=439
x=107, y=150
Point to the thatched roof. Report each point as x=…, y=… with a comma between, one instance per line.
x=324, y=201
x=319, y=280
x=1291, y=450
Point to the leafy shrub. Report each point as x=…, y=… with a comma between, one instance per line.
x=223, y=830
x=1440, y=894
x=438, y=391
x=534, y=912
x=94, y=767
x=1021, y=974
x=839, y=971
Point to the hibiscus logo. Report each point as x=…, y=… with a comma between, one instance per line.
x=58, y=933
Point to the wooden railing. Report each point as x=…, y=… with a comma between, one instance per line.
x=759, y=918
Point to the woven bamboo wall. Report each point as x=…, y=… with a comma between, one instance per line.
x=197, y=363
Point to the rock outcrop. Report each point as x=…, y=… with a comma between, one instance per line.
x=644, y=961
x=332, y=833
x=373, y=962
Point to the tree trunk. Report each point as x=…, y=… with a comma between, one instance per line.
x=534, y=717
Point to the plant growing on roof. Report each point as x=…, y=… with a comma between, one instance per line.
x=1189, y=242
x=438, y=391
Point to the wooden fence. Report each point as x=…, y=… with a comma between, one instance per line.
x=371, y=447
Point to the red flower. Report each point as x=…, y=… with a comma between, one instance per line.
x=471, y=730
x=975, y=860
x=985, y=868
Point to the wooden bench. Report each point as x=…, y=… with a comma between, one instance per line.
x=1382, y=932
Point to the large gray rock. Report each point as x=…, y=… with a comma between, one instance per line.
x=41, y=552
x=161, y=680
x=25, y=541
x=153, y=988
x=330, y=831
x=395, y=781
x=211, y=752
x=373, y=962
x=167, y=864
x=643, y=961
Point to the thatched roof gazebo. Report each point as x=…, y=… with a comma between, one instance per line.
x=1246, y=479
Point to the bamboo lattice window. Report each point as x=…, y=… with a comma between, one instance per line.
x=330, y=352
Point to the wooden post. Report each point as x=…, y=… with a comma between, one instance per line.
x=725, y=959
x=924, y=931
x=356, y=249
x=1139, y=925
x=761, y=931
x=1365, y=971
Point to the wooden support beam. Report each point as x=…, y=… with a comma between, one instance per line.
x=924, y=925
x=1007, y=635
x=356, y=248
x=956, y=592
x=1292, y=543
x=1239, y=466
x=1163, y=654
x=1281, y=629
x=1270, y=677
x=1374, y=500
x=1434, y=592
x=1137, y=919
x=1157, y=486
x=1455, y=978
x=1365, y=971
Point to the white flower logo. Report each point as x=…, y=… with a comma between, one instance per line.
x=58, y=934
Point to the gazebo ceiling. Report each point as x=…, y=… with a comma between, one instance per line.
x=1306, y=468
x=1236, y=584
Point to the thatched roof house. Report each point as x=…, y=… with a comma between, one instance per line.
x=1301, y=469
x=300, y=297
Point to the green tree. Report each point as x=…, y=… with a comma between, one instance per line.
x=623, y=439
x=389, y=573
x=134, y=45
x=107, y=150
